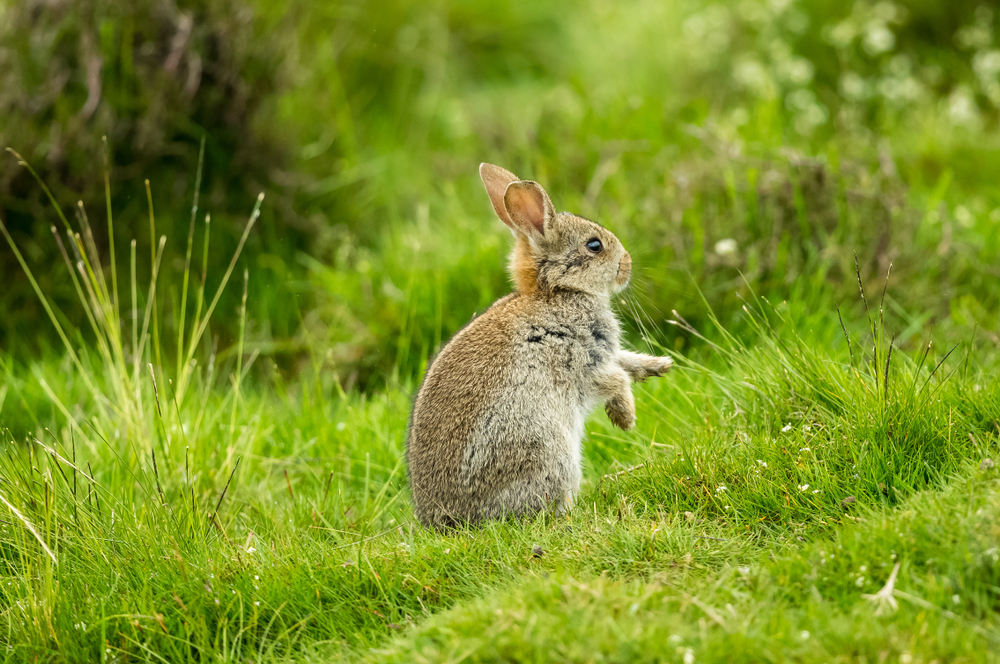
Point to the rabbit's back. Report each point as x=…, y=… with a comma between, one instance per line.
x=497, y=422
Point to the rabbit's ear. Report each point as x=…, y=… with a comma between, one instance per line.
x=496, y=180
x=528, y=206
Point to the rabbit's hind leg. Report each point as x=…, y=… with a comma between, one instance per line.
x=529, y=496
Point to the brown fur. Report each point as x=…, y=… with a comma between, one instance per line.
x=497, y=424
x=523, y=270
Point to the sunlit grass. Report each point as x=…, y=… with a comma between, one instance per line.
x=820, y=602
x=272, y=522
x=170, y=496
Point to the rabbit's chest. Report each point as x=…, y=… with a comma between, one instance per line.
x=572, y=351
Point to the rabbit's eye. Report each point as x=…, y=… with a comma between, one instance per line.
x=594, y=245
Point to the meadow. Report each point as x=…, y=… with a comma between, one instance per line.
x=203, y=419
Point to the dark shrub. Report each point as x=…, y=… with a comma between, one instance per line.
x=154, y=77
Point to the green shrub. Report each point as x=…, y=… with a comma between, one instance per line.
x=760, y=142
x=156, y=78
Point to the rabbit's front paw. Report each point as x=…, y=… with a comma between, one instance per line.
x=639, y=367
x=660, y=365
x=621, y=413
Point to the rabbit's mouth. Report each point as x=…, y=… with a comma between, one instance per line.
x=624, y=271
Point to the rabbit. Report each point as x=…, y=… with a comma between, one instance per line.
x=498, y=420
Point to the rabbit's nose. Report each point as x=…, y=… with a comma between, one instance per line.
x=624, y=270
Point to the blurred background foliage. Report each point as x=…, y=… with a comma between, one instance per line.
x=738, y=145
x=155, y=79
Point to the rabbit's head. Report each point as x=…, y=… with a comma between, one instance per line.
x=554, y=250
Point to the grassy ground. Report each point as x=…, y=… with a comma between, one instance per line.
x=172, y=497
x=770, y=485
x=817, y=602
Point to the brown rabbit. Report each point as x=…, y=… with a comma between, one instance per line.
x=498, y=421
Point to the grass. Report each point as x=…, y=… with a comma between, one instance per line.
x=824, y=601
x=181, y=484
x=679, y=125
x=208, y=518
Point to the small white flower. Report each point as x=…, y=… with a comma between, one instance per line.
x=963, y=216
x=720, y=489
x=805, y=449
x=804, y=635
x=256, y=603
x=251, y=549
x=860, y=581
x=956, y=599
x=786, y=428
x=815, y=491
x=688, y=656
x=962, y=107
x=762, y=464
x=726, y=247
x=863, y=568
x=341, y=426
x=878, y=39
x=803, y=487
x=257, y=578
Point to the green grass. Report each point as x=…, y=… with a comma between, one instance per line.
x=814, y=603
x=187, y=520
x=676, y=141
x=181, y=482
